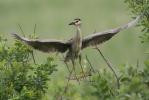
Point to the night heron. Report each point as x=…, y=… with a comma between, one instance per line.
x=74, y=45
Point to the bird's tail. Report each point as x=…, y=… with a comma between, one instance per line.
x=67, y=59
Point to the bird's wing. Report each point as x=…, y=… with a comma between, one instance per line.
x=103, y=36
x=47, y=45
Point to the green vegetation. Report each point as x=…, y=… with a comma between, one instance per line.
x=22, y=79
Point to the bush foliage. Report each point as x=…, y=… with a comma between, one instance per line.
x=20, y=79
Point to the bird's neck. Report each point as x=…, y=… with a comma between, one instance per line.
x=79, y=31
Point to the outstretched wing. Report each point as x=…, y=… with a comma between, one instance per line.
x=47, y=45
x=103, y=36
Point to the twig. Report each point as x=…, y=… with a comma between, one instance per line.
x=118, y=83
x=120, y=77
x=111, y=93
x=68, y=79
x=66, y=87
x=91, y=66
x=84, y=86
x=98, y=74
x=34, y=28
x=90, y=73
x=21, y=29
x=24, y=36
x=94, y=31
x=32, y=56
x=137, y=66
x=80, y=77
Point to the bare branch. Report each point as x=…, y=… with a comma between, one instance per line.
x=66, y=87
x=31, y=52
x=80, y=77
x=21, y=30
x=91, y=66
x=137, y=66
x=34, y=28
x=84, y=86
x=33, y=56
x=120, y=77
x=118, y=83
x=94, y=31
x=111, y=93
x=68, y=79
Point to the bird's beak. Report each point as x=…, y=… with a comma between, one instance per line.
x=72, y=23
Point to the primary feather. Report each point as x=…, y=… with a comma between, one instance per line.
x=47, y=45
x=98, y=38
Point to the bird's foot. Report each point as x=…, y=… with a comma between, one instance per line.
x=77, y=78
x=83, y=73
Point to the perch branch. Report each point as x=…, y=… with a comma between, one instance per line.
x=79, y=77
x=107, y=62
x=92, y=66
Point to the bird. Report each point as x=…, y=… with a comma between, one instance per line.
x=75, y=45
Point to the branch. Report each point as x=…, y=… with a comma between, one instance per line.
x=33, y=56
x=118, y=83
x=92, y=67
x=137, y=66
x=21, y=29
x=98, y=73
x=66, y=87
x=68, y=79
x=80, y=77
x=34, y=28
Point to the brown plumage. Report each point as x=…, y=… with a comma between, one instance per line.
x=76, y=44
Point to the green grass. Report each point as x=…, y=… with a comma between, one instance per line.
x=52, y=18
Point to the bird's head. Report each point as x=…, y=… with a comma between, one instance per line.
x=76, y=22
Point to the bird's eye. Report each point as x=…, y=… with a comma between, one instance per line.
x=76, y=21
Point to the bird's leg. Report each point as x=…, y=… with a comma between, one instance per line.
x=81, y=66
x=75, y=71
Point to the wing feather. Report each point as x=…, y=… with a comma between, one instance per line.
x=103, y=36
x=47, y=45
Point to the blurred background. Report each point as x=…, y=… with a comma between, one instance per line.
x=53, y=16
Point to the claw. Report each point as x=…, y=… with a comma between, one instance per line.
x=77, y=77
x=83, y=73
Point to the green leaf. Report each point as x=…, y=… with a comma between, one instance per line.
x=106, y=89
x=107, y=96
x=50, y=59
x=125, y=79
x=147, y=63
x=56, y=54
x=103, y=84
x=95, y=93
x=94, y=85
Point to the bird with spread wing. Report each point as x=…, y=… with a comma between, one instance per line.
x=75, y=45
